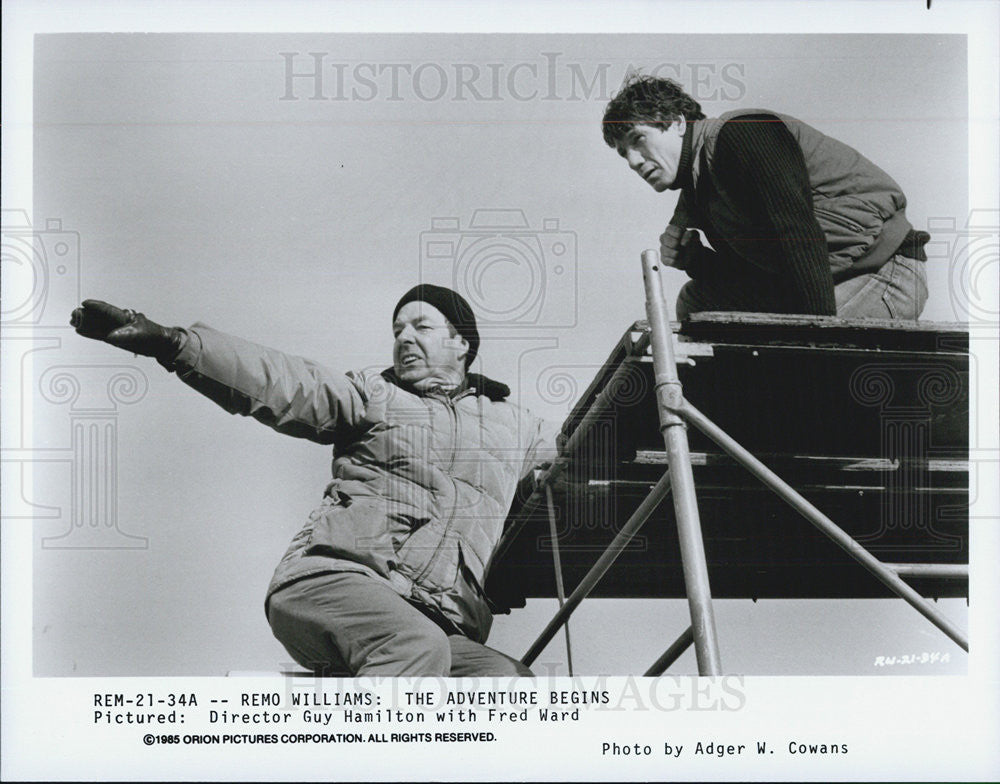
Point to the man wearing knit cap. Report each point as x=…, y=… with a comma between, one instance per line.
x=798, y=222
x=386, y=576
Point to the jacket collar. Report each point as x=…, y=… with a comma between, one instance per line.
x=473, y=384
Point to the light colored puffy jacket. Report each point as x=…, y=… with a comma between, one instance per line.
x=421, y=483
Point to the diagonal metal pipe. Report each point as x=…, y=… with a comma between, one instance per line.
x=787, y=493
x=660, y=491
x=671, y=654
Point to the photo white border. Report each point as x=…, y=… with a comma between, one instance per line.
x=957, y=719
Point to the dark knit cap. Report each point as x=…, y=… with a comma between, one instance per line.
x=453, y=306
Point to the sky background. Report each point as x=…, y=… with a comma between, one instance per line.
x=202, y=186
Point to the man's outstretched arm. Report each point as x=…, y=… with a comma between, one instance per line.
x=290, y=394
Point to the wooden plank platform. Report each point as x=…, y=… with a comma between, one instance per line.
x=867, y=419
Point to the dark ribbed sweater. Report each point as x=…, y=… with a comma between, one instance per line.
x=756, y=209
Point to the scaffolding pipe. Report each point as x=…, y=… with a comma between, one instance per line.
x=600, y=568
x=603, y=402
x=671, y=654
x=668, y=395
x=881, y=571
x=557, y=566
x=944, y=571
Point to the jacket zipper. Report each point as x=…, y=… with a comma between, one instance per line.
x=449, y=403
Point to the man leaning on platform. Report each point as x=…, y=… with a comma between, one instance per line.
x=798, y=221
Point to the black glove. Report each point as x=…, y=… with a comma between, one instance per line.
x=127, y=329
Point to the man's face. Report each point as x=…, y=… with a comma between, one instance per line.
x=427, y=347
x=654, y=152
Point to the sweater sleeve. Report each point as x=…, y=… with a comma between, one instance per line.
x=682, y=213
x=760, y=165
x=695, y=258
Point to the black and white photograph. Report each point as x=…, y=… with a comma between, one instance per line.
x=577, y=390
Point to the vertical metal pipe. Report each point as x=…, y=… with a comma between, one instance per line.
x=668, y=397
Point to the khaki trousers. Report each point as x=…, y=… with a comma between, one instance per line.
x=349, y=624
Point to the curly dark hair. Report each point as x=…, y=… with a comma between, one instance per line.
x=647, y=99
